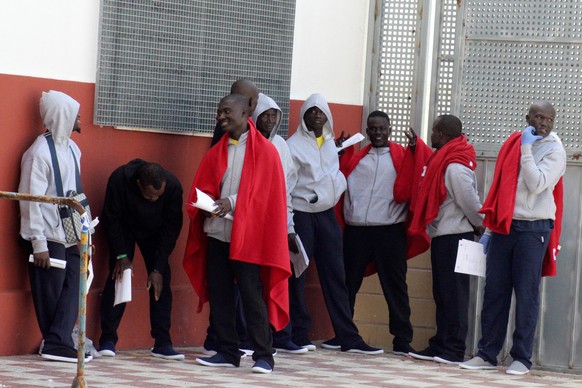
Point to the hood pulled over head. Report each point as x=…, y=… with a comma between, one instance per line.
x=264, y=104
x=58, y=112
x=320, y=102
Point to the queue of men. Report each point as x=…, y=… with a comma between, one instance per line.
x=356, y=213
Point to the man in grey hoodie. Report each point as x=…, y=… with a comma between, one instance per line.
x=267, y=117
x=55, y=292
x=318, y=188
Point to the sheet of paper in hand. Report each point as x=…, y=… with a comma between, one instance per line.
x=358, y=137
x=299, y=260
x=470, y=258
x=204, y=202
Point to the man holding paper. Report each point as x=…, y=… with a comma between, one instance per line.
x=243, y=174
x=375, y=231
x=447, y=207
x=143, y=206
x=55, y=291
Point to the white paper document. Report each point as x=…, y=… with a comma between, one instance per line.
x=57, y=263
x=355, y=139
x=204, y=202
x=123, y=288
x=470, y=258
x=299, y=260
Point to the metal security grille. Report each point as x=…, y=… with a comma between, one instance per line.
x=399, y=63
x=445, y=64
x=396, y=64
x=514, y=54
x=165, y=65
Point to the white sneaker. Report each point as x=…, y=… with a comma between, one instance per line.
x=477, y=363
x=517, y=369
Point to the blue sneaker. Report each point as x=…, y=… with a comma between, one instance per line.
x=262, y=366
x=216, y=360
x=167, y=353
x=290, y=347
x=107, y=349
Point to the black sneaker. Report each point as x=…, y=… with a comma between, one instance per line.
x=403, y=350
x=446, y=359
x=216, y=360
x=167, y=353
x=362, y=348
x=307, y=344
x=63, y=355
x=332, y=344
x=427, y=354
x=107, y=349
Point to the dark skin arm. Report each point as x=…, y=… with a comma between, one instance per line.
x=340, y=140
x=155, y=279
x=222, y=207
x=120, y=266
x=42, y=260
x=292, y=243
x=411, y=135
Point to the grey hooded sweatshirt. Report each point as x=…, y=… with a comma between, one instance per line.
x=264, y=104
x=40, y=221
x=319, y=180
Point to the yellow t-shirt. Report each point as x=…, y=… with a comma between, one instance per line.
x=319, y=141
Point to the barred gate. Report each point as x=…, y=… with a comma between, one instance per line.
x=487, y=61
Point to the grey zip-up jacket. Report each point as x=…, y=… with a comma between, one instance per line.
x=319, y=180
x=40, y=222
x=369, y=199
x=460, y=210
x=541, y=166
x=264, y=104
x=220, y=228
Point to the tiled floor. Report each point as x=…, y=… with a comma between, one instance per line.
x=322, y=368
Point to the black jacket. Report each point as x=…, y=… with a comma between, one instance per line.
x=128, y=217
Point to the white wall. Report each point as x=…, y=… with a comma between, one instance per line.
x=330, y=50
x=58, y=39
x=54, y=39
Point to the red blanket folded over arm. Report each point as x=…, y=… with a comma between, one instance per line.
x=432, y=190
x=500, y=202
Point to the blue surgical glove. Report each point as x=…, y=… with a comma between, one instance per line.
x=485, y=239
x=528, y=137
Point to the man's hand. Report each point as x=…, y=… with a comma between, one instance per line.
x=292, y=242
x=42, y=260
x=120, y=266
x=155, y=279
x=340, y=140
x=222, y=207
x=411, y=135
x=478, y=230
x=485, y=239
x=528, y=137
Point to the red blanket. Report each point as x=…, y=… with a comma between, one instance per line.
x=259, y=232
x=432, y=191
x=408, y=165
x=350, y=159
x=500, y=202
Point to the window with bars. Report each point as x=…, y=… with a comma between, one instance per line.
x=165, y=65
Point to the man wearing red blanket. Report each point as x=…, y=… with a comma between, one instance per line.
x=523, y=213
x=447, y=207
x=243, y=173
